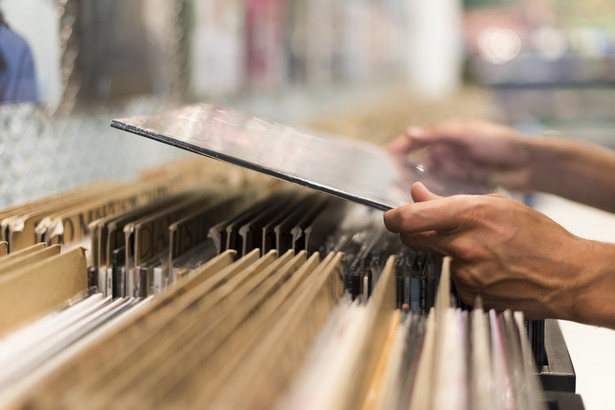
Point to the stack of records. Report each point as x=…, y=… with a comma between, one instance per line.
x=288, y=299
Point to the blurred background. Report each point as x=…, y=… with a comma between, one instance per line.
x=362, y=68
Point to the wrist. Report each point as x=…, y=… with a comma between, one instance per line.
x=592, y=294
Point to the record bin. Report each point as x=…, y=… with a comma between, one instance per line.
x=556, y=371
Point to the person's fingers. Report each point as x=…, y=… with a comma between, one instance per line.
x=399, y=146
x=446, y=168
x=466, y=128
x=447, y=132
x=431, y=241
x=413, y=139
x=423, y=241
x=420, y=193
x=462, y=248
x=417, y=137
x=415, y=132
x=439, y=214
x=457, y=133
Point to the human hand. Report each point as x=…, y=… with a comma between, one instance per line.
x=470, y=151
x=509, y=254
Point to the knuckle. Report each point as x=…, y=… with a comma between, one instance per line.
x=469, y=279
x=465, y=249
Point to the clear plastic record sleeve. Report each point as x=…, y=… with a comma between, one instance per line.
x=358, y=171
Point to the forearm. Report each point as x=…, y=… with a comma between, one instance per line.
x=575, y=170
x=592, y=294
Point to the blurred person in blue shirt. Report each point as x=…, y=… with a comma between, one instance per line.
x=17, y=73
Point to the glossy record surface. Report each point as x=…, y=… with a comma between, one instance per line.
x=351, y=169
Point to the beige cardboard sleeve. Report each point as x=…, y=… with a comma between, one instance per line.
x=40, y=288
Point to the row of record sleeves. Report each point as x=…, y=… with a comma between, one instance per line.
x=202, y=285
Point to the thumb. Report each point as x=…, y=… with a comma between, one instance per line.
x=420, y=193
